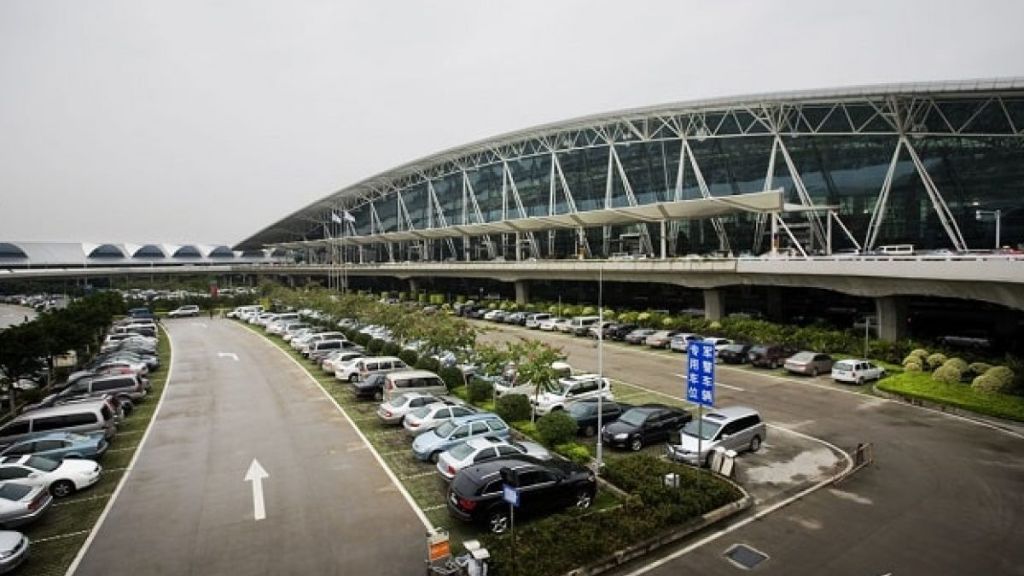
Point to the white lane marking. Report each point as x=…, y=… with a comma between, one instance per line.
x=231, y=355
x=717, y=384
x=128, y=471
x=387, y=470
x=256, y=474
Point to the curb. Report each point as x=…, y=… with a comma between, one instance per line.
x=620, y=557
x=1009, y=426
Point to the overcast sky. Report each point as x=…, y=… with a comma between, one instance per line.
x=205, y=121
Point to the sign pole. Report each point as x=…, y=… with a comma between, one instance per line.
x=700, y=431
x=512, y=523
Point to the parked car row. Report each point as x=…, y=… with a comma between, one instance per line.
x=51, y=448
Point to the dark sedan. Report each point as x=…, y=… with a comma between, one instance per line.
x=734, y=353
x=369, y=388
x=643, y=425
x=619, y=331
x=584, y=412
x=544, y=486
x=638, y=336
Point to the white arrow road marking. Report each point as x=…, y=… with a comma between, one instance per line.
x=736, y=388
x=231, y=355
x=256, y=474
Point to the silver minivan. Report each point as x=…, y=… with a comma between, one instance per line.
x=734, y=428
x=82, y=417
x=422, y=381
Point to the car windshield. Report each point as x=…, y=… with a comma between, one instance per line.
x=843, y=366
x=803, y=357
x=400, y=401
x=44, y=464
x=11, y=491
x=706, y=430
x=734, y=348
x=445, y=429
x=580, y=408
x=461, y=451
x=634, y=417
x=421, y=412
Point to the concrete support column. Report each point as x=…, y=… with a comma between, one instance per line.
x=773, y=303
x=663, y=239
x=714, y=304
x=414, y=286
x=892, y=317
x=522, y=292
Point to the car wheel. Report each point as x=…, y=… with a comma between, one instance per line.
x=497, y=521
x=589, y=431
x=353, y=378
x=62, y=488
x=860, y=381
x=755, y=443
x=814, y=372
x=434, y=457
x=378, y=395
x=584, y=499
x=636, y=444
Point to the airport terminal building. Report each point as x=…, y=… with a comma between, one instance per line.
x=933, y=166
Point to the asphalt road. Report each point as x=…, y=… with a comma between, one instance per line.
x=11, y=314
x=185, y=509
x=945, y=496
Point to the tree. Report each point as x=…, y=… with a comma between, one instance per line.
x=21, y=352
x=536, y=366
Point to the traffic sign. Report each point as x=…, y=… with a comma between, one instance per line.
x=510, y=494
x=700, y=373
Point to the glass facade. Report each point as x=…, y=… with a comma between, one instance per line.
x=970, y=145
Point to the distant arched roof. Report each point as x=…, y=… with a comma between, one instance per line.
x=149, y=251
x=8, y=250
x=187, y=251
x=106, y=251
x=221, y=252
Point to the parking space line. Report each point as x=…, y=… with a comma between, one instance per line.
x=79, y=500
x=60, y=537
x=433, y=508
x=420, y=475
x=125, y=449
x=124, y=477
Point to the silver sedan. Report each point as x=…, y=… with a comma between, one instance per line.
x=21, y=504
x=431, y=416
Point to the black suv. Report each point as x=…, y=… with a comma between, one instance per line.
x=644, y=425
x=734, y=353
x=769, y=356
x=544, y=486
x=619, y=331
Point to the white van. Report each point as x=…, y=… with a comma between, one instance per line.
x=422, y=381
x=83, y=418
x=360, y=368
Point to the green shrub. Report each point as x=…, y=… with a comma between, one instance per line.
x=920, y=353
x=410, y=357
x=947, y=373
x=390, y=349
x=935, y=360
x=452, y=377
x=361, y=339
x=556, y=428
x=428, y=363
x=588, y=311
x=913, y=366
x=1003, y=375
x=978, y=368
x=574, y=451
x=479, y=390
x=958, y=363
x=513, y=407
x=912, y=358
x=986, y=383
x=374, y=347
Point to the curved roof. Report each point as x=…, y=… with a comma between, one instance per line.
x=350, y=195
x=17, y=254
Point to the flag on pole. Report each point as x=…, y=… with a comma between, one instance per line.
x=335, y=218
x=349, y=217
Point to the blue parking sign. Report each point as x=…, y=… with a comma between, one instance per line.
x=700, y=373
x=510, y=494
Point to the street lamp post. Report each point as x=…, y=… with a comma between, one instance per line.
x=997, y=215
x=600, y=366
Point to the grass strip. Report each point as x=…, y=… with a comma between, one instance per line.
x=921, y=386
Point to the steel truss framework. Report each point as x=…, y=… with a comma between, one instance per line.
x=908, y=115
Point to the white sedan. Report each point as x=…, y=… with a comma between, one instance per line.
x=481, y=449
x=60, y=478
x=431, y=416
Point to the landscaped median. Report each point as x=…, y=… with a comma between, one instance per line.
x=62, y=530
x=651, y=514
x=921, y=386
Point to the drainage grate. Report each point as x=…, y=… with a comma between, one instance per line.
x=744, y=556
